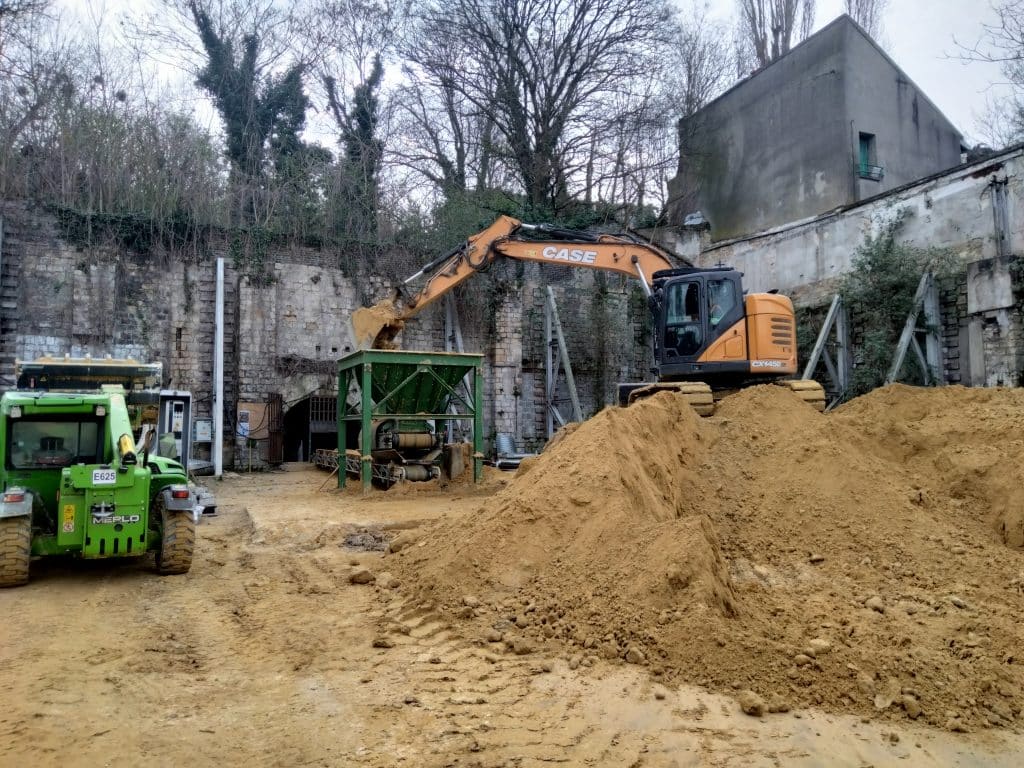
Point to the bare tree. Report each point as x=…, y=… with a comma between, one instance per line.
x=443, y=138
x=701, y=63
x=867, y=13
x=1002, y=43
x=540, y=72
x=767, y=27
x=15, y=15
x=355, y=38
x=36, y=67
x=250, y=58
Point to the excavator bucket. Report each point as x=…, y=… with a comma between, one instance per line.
x=376, y=327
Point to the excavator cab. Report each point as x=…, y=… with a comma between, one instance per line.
x=698, y=311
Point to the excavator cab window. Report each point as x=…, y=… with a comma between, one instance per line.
x=721, y=301
x=684, y=331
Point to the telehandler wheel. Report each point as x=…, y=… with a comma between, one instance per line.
x=177, y=541
x=15, y=550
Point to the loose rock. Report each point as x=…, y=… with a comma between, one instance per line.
x=778, y=704
x=634, y=655
x=911, y=707
x=401, y=541
x=820, y=646
x=521, y=647
x=875, y=604
x=752, y=704
x=362, y=576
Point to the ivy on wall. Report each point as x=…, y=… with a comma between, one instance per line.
x=878, y=293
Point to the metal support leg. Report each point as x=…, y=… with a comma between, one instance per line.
x=843, y=352
x=343, y=386
x=478, y=424
x=366, y=439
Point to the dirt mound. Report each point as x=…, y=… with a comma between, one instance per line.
x=967, y=444
x=850, y=560
x=375, y=327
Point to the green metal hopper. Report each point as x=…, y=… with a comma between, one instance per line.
x=407, y=386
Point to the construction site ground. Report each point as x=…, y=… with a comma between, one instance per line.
x=270, y=651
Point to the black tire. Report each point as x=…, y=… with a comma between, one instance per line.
x=15, y=550
x=177, y=541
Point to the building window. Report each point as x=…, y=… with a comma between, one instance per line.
x=867, y=165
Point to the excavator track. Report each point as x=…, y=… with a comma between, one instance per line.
x=703, y=399
x=811, y=392
x=697, y=393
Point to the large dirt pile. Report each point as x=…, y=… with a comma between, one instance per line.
x=855, y=560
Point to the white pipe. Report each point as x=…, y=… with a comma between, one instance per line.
x=218, y=375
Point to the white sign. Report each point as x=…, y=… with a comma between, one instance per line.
x=204, y=430
x=104, y=477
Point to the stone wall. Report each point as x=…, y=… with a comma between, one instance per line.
x=975, y=211
x=286, y=326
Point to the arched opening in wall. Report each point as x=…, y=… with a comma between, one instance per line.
x=309, y=424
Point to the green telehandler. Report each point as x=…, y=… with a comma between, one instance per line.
x=76, y=483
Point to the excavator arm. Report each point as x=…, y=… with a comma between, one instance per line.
x=376, y=327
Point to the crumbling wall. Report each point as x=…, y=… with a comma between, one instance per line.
x=286, y=323
x=973, y=211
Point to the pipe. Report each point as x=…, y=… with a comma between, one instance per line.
x=435, y=263
x=643, y=278
x=218, y=374
x=416, y=472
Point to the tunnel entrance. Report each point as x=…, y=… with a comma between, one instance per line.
x=309, y=424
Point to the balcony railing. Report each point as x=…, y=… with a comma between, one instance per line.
x=873, y=172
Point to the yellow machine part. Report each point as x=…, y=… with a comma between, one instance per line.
x=771, y=332
x=697, y=393
x=702, y=398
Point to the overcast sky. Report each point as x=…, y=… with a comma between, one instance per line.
x=917, y=34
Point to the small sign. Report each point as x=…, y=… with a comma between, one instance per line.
x=69, y=518
x=204, y=430
x=104, y=477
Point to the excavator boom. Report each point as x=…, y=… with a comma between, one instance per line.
x=507, y=237
x=709, y=334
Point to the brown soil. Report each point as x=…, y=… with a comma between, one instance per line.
x=267, y=654
x=865, y=561
x=375, y=327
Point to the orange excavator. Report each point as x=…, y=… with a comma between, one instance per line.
x=710, y=337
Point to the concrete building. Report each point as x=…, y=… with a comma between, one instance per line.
x=833, y=122
x=974, y=211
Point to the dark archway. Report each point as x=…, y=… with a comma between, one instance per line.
x=296, y=431
x=310, y=424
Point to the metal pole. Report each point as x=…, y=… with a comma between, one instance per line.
x=933, y=321
x=343, y=387
x=843, y=349
x=366, y=421
x=478, y=424
x=819, y=345
x=549, y=371
x=908, y=330
x=569, y=379
x=218, y=374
